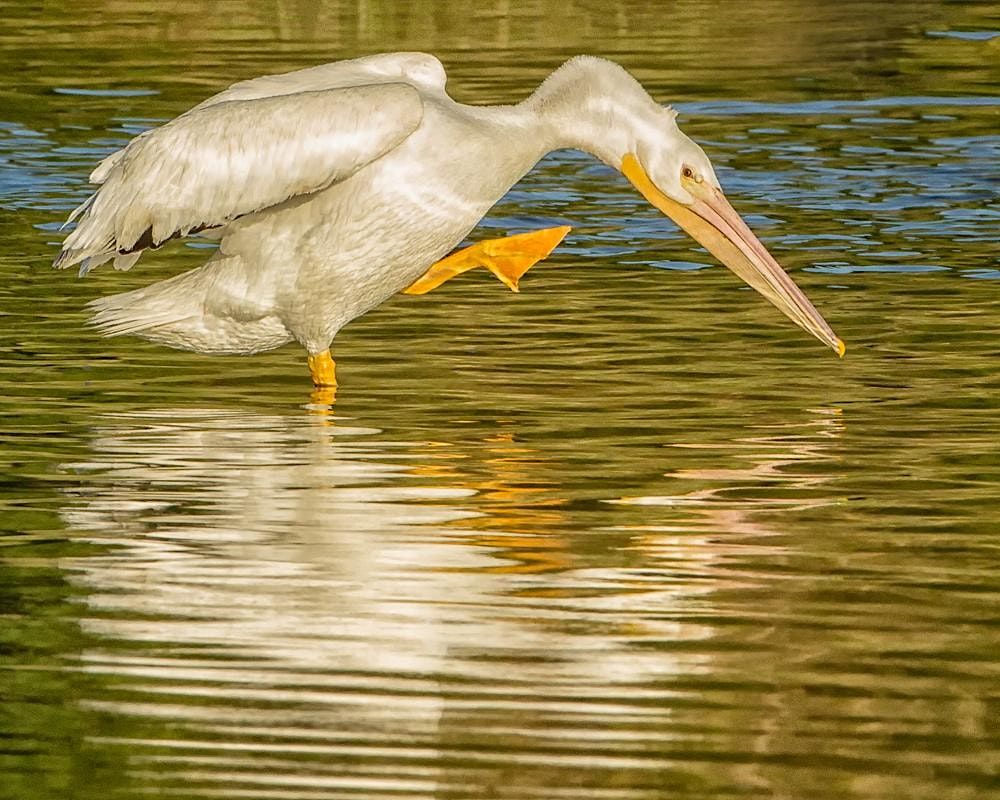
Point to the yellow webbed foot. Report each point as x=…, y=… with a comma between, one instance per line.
x=507, y=258
x=511, y=257
x=323, y=370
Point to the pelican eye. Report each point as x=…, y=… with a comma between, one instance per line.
x=689, y=174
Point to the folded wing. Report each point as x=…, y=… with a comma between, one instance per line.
x=225, y=160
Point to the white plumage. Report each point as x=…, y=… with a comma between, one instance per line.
x=258, y=155
x=334, y=187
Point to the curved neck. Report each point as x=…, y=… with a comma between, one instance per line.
x=587, y=104
x=592, y=105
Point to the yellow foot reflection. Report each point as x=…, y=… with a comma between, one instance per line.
x=323, y=397
x=508, y=258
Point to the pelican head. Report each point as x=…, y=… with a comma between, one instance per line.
x=597, y=106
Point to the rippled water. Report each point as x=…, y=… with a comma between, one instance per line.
x=625, y=535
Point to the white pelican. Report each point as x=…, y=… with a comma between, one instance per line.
x=334, y=187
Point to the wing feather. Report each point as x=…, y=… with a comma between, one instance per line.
x=224, y=160
x=417, y=69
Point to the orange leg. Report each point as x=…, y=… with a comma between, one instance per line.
x=508, y=258
x=324, y=371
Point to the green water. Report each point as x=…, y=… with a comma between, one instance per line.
x=626, y=535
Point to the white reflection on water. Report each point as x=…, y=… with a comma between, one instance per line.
x=298, y=585
x=281, y=538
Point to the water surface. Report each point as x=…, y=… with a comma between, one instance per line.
x=625, y=535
